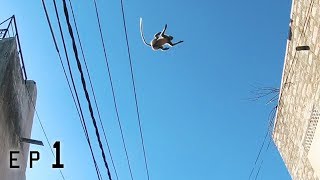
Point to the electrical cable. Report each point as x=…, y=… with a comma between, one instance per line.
x=84, y=87
x=112, y=88
x=80, y=116
x=262, y=160
x=92, y=89
x=255, y=163
x=76, y=93
x=270, y=119
x=134, y=90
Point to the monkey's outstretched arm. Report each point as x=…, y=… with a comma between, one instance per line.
x=142, y=36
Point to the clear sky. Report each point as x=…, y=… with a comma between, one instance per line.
x=196, y=119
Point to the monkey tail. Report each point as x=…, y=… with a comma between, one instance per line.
x=141, y=32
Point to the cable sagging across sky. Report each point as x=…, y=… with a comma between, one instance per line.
x=134, y=90
x=112, y=88
x=92, y=89
x=85, y=88
x=75, y=103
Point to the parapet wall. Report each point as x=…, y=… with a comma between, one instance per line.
x=17, y=100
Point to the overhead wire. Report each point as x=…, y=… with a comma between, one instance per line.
x=65, y=9
x=112, y=88
x=270, y=119
x=92, y=88
x=134, y=89
x=76, y=93
x=114, y=96
x=255, y=163
x=263, y=159
x=80, y=113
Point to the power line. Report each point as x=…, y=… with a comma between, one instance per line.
x=255, y=163
x=84, y=86
x=134, y=89
x=112, y=88
x=270, y=120
x=258, y=170
x=263, y=159
x=92, y=89
x=83, y=123
x=80, y=116
x=81, y=119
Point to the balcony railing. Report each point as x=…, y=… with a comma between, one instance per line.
x=8, y=28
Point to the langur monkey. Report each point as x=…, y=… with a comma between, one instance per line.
x=159, y=40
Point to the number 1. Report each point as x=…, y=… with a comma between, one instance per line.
x=56, y=145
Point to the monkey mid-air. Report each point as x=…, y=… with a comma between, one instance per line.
x=160, y=39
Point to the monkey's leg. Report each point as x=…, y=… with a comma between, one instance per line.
x=164, y=48
x=173, y=44
x=157, y=35
x=163, y=31
x=177, y=43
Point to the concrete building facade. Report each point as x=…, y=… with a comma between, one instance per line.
x=17, y=100
x=296, y=130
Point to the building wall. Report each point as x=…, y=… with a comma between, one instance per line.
x=16, y=111
x=299, y=102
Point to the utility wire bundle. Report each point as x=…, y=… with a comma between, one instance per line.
x=74, y=92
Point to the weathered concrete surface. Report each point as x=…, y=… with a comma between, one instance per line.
x=299, y=103
x=16, y=111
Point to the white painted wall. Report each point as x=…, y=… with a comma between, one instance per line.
x=16, y=111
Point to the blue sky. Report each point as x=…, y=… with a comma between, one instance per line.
x=196, y=121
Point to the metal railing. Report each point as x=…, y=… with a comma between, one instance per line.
x=10, y=30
